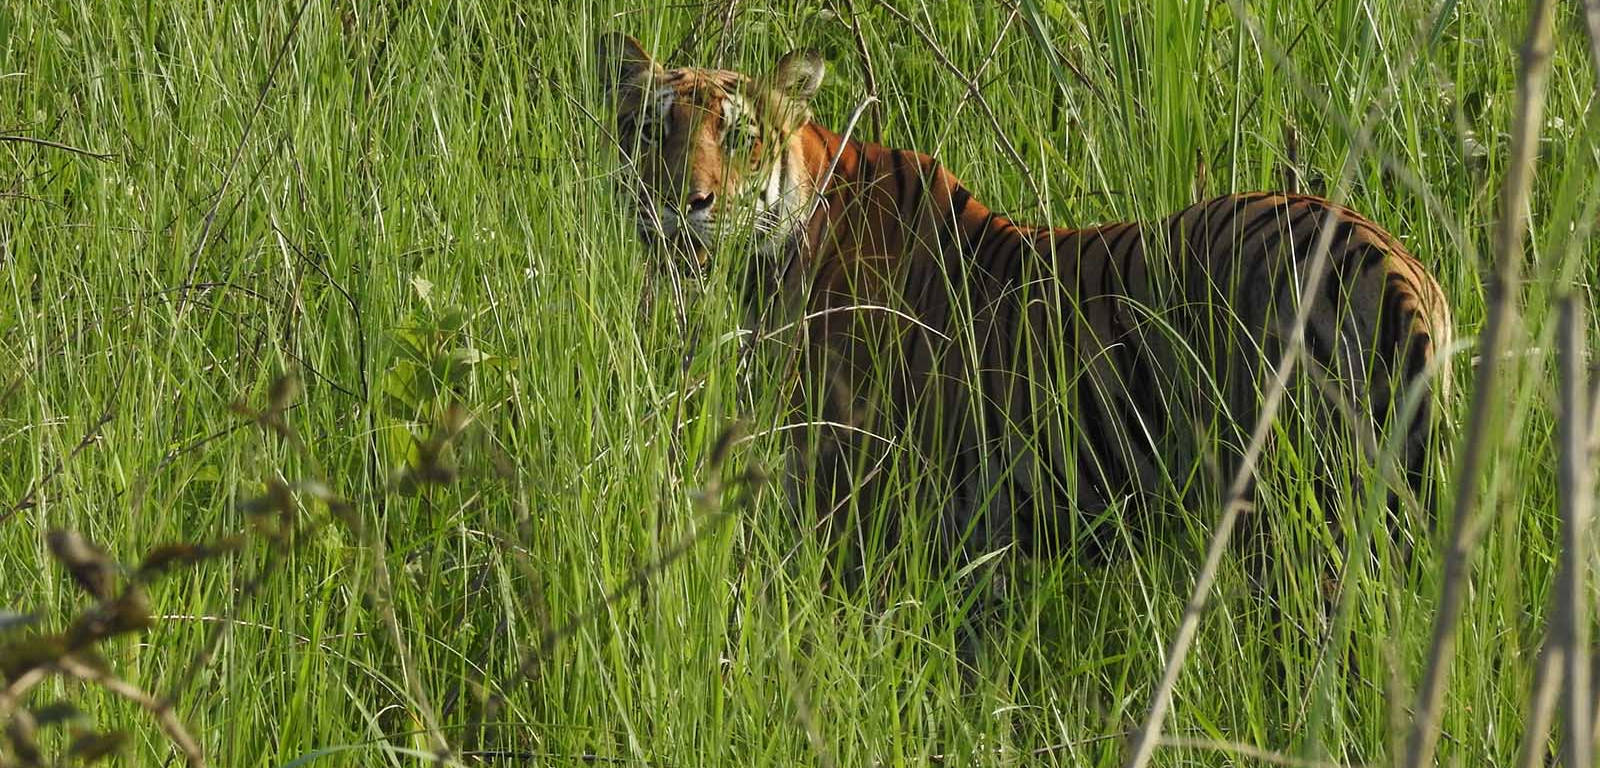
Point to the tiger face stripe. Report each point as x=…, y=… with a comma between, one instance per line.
x=1047, y=372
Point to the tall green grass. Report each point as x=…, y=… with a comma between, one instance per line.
x=416, y=206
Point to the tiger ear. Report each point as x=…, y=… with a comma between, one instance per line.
x=622, y=61
x=798, y=75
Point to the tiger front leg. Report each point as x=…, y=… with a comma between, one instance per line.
x=836, y=467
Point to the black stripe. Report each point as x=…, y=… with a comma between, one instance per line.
x=1058, y=241
x=1179, y=255
x=976, y=236
x=960, y=198
x=1230, y=226
x=902, y=186
x=1145, y=388
x=1296, y=225
x=1266, y=255
x=1002, y=257
x=1239, y=203
x=1120, y=245
x=1210, y=222
x=1177, y=242
x=1268, y=252
x=1122, y=350
x=867, y=171
x=1304, y=242
x=1340, y=273
x=944, y=226
x=1273, y=215
x=1387, y=344
x=783, y=177
x=1320, y=348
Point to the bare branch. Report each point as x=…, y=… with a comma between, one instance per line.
x=12, y=695
x=1546, y=690
x=1244, y=750
x=30, y=497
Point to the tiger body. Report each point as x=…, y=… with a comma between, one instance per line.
x=1044, y=373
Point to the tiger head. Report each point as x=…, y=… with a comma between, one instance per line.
x=709, y=153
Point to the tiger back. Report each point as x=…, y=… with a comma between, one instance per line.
x=1037, y=376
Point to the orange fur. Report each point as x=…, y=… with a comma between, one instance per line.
x=1045, y=371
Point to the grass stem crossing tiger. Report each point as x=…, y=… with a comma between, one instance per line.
x=1040, y=375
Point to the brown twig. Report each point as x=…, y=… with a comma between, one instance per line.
x=977, y=76
x=805, y=714
x=1316, y=13
x=1563, y=648
x=725, y=35
x=1483, y=416
x=1244, y=750
x=1032, y=25
x=635, y=581
x=1541, y=708
x=160, y=709
x=12, y=695
x=552, y=636
x=383, y=599
x=1236, y=502
x=1591, y=23
x=16, y=139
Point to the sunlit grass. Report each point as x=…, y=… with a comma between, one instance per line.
x=423, y=211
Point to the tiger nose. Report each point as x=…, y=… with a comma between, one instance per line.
x=699, y=201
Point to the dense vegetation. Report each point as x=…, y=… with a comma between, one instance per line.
x=498, y=506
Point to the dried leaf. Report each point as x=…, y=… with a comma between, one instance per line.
x=450, y=321
x=18, y=657
x=58, y=713
x=320, y=491
x=24, y=748
x=467, y=356
x=91, y=747
x=423, y=287
x=725, y=443
x=88, y=565
x=130, y=612
x=455, y=421
x=167, y=556
x=278, y=500
x=282, y=390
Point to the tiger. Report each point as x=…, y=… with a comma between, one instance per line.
x=1044, y=377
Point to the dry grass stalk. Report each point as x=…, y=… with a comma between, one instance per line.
x=1563, y=672
x=1483, y=417
x=1570, y=622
